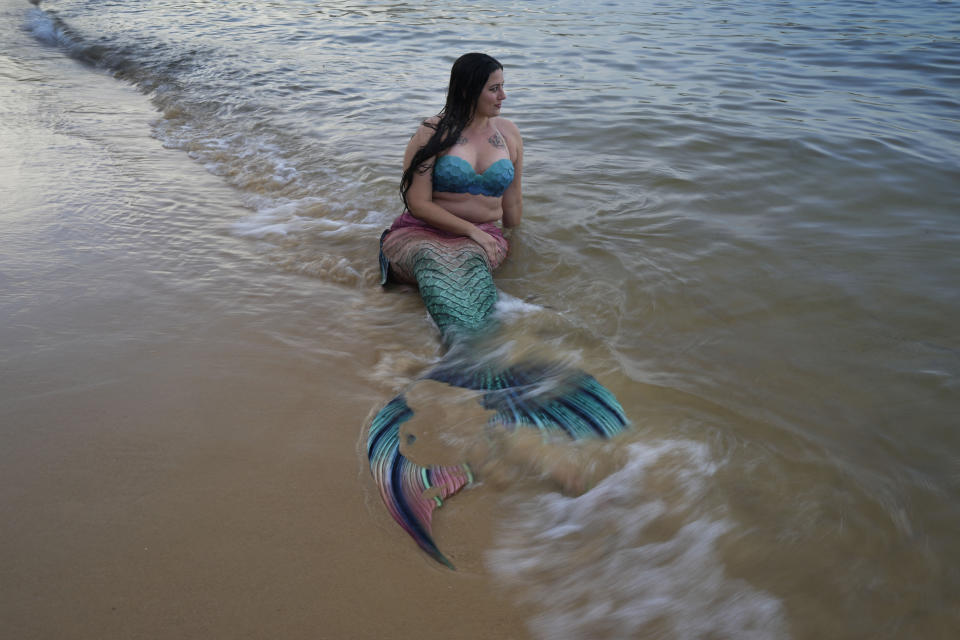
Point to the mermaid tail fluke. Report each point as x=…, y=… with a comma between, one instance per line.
x=406, y=487
x=575, y=404
x=455, y=281
x=546, y=396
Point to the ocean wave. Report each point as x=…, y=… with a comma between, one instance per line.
x=509, y=306
x=632, y=557
x=208, y=110
x=49, y=30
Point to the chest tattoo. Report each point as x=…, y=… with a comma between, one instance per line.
x=497, y=141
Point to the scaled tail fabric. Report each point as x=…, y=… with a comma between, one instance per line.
x=404, y=486
x=454, y=277
x=579, y=406
x=575, y=403
x=452, y=272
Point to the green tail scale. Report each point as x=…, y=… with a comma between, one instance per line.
x=457, y=288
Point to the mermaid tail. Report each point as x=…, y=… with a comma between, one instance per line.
x=404, y=486
x=452, y=272
x=455, y=281
x=575, y=404
x=456, y=288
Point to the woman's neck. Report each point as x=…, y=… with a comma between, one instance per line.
x=478, y=124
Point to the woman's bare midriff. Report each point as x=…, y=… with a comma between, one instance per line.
x=473, y=208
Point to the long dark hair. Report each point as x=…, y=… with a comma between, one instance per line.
x=467, y=79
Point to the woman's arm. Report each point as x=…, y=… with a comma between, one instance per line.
x=513, y=196
x=421, y=205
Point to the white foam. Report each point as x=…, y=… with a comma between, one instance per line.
x=283, y=217
x=255, y=229
x=44, y=29
x=275, y=218
x=508, y=306
x=596, y=569
x=347, y=228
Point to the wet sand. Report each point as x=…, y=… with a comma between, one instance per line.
x=170, y=467
x=214, y=491
x=755, y=254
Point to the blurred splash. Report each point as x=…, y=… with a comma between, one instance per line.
x=634, y=557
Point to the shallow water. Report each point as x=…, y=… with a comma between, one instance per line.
x=741, y=217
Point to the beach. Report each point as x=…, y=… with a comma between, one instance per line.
x=741, y=220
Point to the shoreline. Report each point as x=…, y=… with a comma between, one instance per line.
x=193, y=341
x=169, y=467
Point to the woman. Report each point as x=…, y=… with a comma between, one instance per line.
x=462, y=174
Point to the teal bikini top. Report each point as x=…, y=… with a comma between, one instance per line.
x=453, y=174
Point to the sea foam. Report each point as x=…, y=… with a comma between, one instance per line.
x=509, y=306
x=45, y=29
x=633, y=557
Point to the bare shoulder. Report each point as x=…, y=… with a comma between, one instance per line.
x=512, y=135
x=507, y=128
x=420, y=138
x=426, y=130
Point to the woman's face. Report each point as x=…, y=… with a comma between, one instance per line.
x=492, y=96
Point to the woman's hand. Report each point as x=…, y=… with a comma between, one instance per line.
x=486, y=242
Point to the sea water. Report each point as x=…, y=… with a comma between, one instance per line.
x=742, y=217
